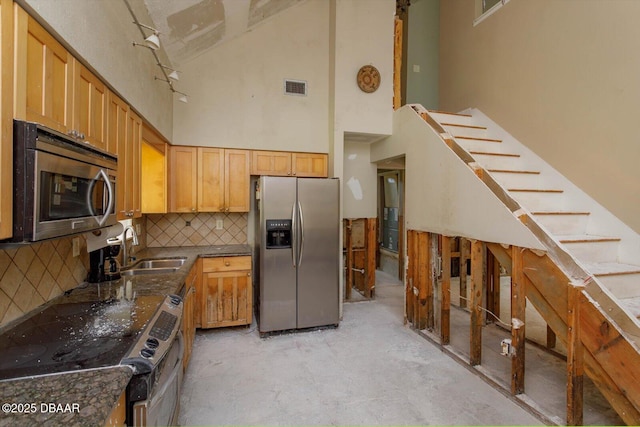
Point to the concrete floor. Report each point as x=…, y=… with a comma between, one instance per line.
x=372, y=370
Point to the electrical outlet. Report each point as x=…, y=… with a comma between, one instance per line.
x=76, y=246
x=219, y=224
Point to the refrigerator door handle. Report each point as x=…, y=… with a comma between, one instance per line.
x=301, y=234
x=294, y=236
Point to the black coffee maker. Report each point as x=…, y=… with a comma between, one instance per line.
x=104, y=265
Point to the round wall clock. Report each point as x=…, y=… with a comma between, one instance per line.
x=368, y=78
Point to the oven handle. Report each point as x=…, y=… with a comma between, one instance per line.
x=176, y=371
x=107, y=182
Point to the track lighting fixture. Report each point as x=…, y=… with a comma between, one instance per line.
x=152, y=43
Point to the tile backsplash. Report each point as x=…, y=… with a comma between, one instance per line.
x=198, y=229
x=34, y=274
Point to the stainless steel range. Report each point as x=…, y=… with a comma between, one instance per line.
x=98, y=326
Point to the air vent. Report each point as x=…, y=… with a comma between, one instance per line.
x=295, y=87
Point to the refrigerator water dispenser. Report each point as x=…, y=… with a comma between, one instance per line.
x=278, y=233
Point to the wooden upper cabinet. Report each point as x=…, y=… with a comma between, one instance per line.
x=211, y=179
x=134, y=136
x=44, y=91
x=275, y=163
x=183, y=179
x=309, y=165
x=283, y=163
x=117, y=143
x=153, y=176
x=237, y=180
x=90, y=106
x=204, y=179
x=6, y=118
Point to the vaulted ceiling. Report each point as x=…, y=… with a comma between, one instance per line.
x=188, y=28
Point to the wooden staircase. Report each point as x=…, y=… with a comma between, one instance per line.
x=589, y=253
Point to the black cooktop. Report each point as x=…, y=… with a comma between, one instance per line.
x=90, y=328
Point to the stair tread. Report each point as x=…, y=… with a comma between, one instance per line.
x=560, y=213
x=587, y=238
x=536, y=190
x=449, y=113
x=612, y=268
x=488, y=153
x=463, y=126
x=513, y=171
x=473, y=138
x=632, y=305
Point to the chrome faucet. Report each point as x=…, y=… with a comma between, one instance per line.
x=134, y=242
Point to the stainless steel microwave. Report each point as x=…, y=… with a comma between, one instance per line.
x=61, y=186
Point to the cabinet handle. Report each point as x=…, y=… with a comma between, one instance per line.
x=288, y=173
x=227, y=263
x=193, y=209
x=226, y=210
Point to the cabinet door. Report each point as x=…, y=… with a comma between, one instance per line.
x=44, y=85
x=237, y=180
x=275, y=163
x=228, y=297
x=183, y=179
x=6, y=118
x=309, y=165
x=134, y=133
x=210, y=180
x=90, y=106
x=117, y=143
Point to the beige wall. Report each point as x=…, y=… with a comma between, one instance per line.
x=561, y=77
x=236, y=94
x=359, y=186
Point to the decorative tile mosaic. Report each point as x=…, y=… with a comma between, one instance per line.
x=34, y=274
x=197, y=229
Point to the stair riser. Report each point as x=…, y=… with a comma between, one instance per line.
x=594, y=251
x=475, y=145
x=517, y=180
x=623, y=285
x=452, y=118
x=470, y=132
x=533, y=201
x=563, y=224
x=498, y=162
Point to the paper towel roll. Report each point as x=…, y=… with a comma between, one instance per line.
x=100, y=241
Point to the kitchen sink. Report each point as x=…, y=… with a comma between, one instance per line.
x=154, y=266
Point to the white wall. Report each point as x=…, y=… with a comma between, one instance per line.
x=442, y=194
x=359, y=194
x=236, y=96
x=422, y=51
x=364, y=36
x=102, y=32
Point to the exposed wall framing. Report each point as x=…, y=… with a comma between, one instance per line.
x=359, y=248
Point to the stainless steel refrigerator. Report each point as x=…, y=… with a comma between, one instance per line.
x=298, y=253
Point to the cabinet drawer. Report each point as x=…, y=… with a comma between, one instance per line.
x=234, y=263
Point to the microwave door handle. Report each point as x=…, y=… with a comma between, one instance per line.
x=107, y=182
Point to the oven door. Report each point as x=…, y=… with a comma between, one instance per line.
x=162, y=406
x=71, y=196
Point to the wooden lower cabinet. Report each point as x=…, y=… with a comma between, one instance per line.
x=118, y=415
x=227, y=292
x=188, y=314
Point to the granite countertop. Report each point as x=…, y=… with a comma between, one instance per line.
x=82, y=398
x=96, y=391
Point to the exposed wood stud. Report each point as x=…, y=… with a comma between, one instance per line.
x=371, y=244
x=551, y=338
x=575, y=359
x=409, y=279
x=423, y=279
x=518, y=310
x=477, y=268
x=445, y=296
x=349, y=260
x=397, y=64
x=464, y=256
